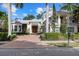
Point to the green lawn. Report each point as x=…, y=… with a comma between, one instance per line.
x=58, y=36
x=72, y=44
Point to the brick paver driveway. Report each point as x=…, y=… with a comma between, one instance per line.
x=25, y=41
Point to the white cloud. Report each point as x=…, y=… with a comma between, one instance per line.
x=24, y=14
x=14, y=14
x=5, y=5
x=39, y=10
x=14, y=9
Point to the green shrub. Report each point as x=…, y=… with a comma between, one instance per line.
x=13, y=32
x=63, y=28
x=53, y=36
x=3, y=36
x=75, y=36
x=72, y=36
x=12, y=37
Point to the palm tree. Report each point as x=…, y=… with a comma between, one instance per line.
x=69, y=7
x=47, y=18
x=76, y=17
x=18, y=5
x=5, y=22
x=2, y=14
x=3, y=17
x=76, y=14
x=54, y=17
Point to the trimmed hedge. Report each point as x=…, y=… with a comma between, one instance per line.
x=53, y=36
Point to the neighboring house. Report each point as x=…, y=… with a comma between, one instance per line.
x=57, y=23
x=61, y=19
x=72, y=25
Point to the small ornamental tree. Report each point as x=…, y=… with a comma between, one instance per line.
x=63, y=28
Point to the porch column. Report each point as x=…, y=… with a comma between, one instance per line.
x=30, y=28
x=75, y=28
x=39, y=30
x=21, y=27
x=13, y=27
x=59, y=22
x=17, y=27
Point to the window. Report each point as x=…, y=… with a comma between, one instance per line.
x=19, y=27
x=57, y=29
x=15, y=28
x=12, y=27
x=71, y=29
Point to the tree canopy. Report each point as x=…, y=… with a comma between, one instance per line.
x=19, y=5
x=29, y=17
x=76, y=14
x=2, y=14
x=4, y=18
x=68, y=7
x=39, y=16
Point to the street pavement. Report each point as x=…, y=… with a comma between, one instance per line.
x=54, y=51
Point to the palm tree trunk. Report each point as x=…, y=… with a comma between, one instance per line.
x=54, y=17
x=9, y=19
x=47, y=18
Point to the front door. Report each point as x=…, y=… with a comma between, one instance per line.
x=34, y=29
x=24, y=27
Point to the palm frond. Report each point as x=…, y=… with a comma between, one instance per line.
x=68, y=7
x=19, y=5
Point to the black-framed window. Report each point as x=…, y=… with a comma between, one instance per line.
x=15, y=28
x=19, y=27
x=12, y=27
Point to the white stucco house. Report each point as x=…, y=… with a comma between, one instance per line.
x=29, y=26
x=39, y=25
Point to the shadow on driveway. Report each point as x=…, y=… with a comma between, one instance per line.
x=24, y=44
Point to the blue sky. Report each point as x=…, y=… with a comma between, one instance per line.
x=28, y=8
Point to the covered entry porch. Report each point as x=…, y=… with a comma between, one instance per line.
x=27, y=26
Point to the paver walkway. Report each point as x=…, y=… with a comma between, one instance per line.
x=25, y=41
